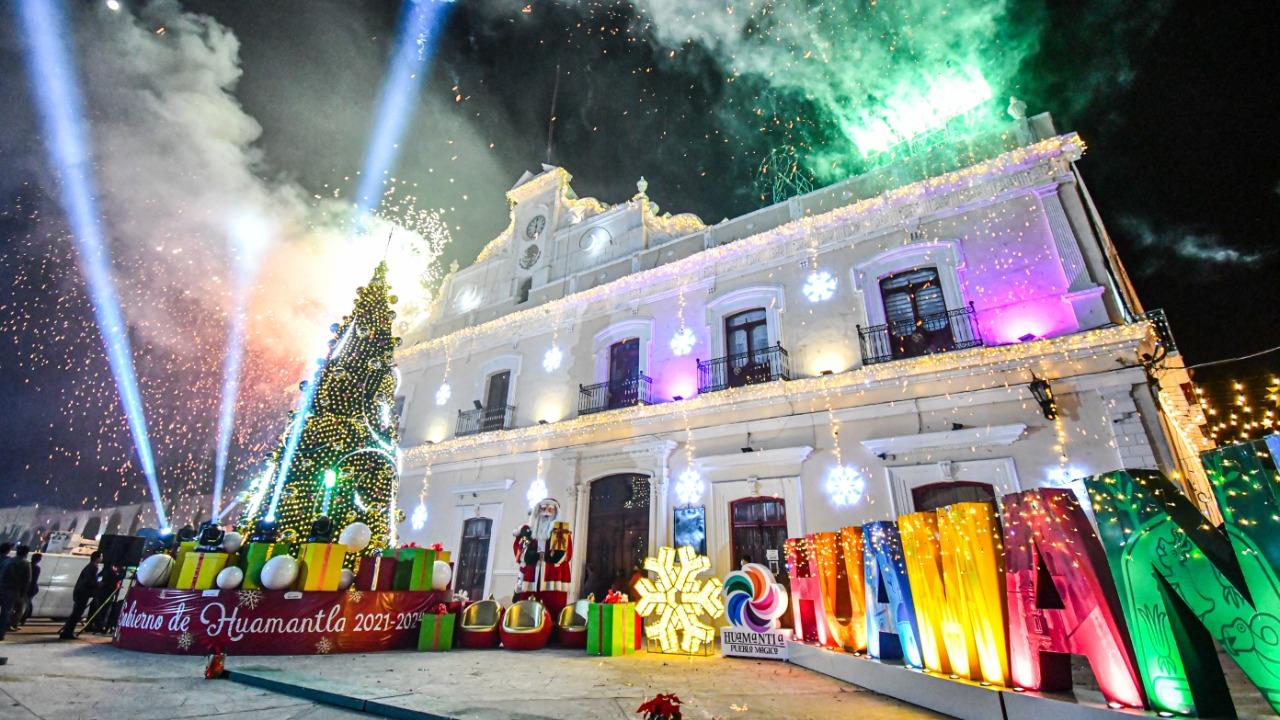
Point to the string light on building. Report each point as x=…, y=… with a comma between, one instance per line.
x=443, y=393
x=819, y=287
x=689, y=487
x=845, y=486
x=683, y=341
x=551, y=361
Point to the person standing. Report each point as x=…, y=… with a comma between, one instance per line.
x=35, y=587
x=86, y=587
x=14, y=582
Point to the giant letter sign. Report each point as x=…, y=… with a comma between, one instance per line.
x=807, y=612
x=835, y=590
x=956, y=564
x=851, y=546
x=1061, y=598
x=891, y=617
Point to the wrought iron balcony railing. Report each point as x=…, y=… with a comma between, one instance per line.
x=1161, y=325
x=474, y=422
x=748, y=368
x=615, y=394
x=926, y=335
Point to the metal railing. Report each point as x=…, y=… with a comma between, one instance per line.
x=474, y=422
x=926, y=335
x=615, y=394
x=748, y=368
x=1160, y=324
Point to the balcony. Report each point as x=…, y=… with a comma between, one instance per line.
x=615, y=394
x=926, y=335
x=747, y=368
x=485, y=419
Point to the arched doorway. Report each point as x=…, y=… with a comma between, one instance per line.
x=617, y=532
x=473, y=557
x=928, y=498
x=760, y=533
x=91, y=528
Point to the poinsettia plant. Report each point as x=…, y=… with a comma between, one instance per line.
x=616, y=597
x=440, y=609
x=438, y=547
x=661, y=707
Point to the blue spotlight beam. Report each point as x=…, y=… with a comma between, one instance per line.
x=420, y=25
x=56, y=93
x=230, y=389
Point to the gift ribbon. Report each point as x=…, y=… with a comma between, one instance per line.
x=324, y=569
x=435, y=631
x=195, y=576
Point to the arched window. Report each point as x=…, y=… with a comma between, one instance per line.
x=928, y=498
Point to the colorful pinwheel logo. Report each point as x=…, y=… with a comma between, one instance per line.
x=753, y=599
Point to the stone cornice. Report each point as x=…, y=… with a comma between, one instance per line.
x=1022, y=168
x=805, y=394
x=946, y=440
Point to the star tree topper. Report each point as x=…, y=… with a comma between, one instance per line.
x=679, y=600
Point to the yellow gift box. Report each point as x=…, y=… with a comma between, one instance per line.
x=176, y=573
x=321, y=566
x=200, y=570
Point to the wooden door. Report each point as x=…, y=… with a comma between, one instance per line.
x=473, y=557
x=617, y=539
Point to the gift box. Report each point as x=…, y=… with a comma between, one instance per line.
x=375, y=573
x=320, y=566
x=200, y=570
x=437, y=632
x=612, y=629
x=178, y=559
x=413, y=567
x=253, y=556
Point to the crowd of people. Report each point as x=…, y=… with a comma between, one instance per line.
x=20, y=582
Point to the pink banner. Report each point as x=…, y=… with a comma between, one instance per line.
x=265, y=622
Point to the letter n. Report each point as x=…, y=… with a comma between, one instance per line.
x=807, y=611
x=891, y=616
x=846, y=620
x=1062, y=600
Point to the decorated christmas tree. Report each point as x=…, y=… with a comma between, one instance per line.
x=342, y=463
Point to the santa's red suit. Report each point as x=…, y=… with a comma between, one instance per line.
x=543, y=551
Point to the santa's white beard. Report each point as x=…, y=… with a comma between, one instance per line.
x=542, y=529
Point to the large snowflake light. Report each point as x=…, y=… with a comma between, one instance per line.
x=845, y=486
x=551, y=361
x=689, y=487
x=820, y=286
x=683, y=341
x=443, y=393
x=419, y=519
x=536, y=493
x=674, y=601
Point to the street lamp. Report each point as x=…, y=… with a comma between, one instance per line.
x=1044, y=396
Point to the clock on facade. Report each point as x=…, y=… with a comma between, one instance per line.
x=530, y=257
x=535, y=227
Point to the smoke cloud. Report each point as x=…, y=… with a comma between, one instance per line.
x=1207, y=251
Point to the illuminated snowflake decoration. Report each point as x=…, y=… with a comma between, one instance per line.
x=689, y=487
x=683, y=341
x=674, y=603
x=820, y=286
x=845, y=486
x=551, y=361
x=325, y=646
x=443, y=393
x=354, y=595
x=419, y=518
x=537, y=492
x=184, y=640
x=248, y=598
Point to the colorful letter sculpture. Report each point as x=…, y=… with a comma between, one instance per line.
x=891, y=615
x=1184, y=583
x=843, y=614
x=1062, y=599
x=806, y=592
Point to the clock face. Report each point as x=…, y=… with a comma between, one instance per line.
x=535, y=227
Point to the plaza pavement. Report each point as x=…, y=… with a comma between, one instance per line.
x=87, y=679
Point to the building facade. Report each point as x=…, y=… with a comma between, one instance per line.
x=863, y=351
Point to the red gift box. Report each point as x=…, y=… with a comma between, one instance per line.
x=375, y=573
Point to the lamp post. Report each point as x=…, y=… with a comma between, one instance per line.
x=1044, y=396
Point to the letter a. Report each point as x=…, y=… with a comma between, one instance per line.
x=807, y=611
x=891, y=616
x=1061, y=598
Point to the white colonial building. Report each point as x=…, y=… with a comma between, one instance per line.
x=860, y=352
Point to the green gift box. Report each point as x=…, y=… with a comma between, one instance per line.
x=413, y=567
x=253, y=556
x=612, y=629
x=436, y=634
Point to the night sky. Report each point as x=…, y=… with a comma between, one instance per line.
x=200, y=109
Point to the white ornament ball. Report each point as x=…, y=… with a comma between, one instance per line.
x=230, y=578
x=356, y=537
x=232, y=541
x=441, y=574
x=279, y=573
x=345, y=580
x=154, y=571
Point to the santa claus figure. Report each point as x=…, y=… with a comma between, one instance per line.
x=543, y=550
